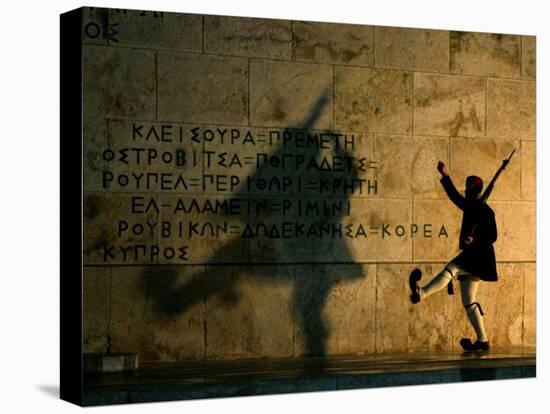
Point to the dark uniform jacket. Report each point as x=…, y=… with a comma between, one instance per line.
x=478, y=257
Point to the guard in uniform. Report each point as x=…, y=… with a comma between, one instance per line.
x=476, y=261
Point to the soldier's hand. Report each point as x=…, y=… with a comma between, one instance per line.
x=442, y=168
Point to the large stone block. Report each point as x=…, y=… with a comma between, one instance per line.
x=199, y=88
x=333, y=43
x=376, y=230
x=243, y=162
x=304, y=233
x=115, y=229
x=118, y=82
x=440, y=220
x=528, y=170
x=249, y=312
x=449, y=105
x=372, y=100
x=530, y=306
x=284, y=162
x=94, y=142
x=340, y=164
x=154, y=157
x=287, y=94
x=155, y=30
x=511, y=110
x=96, y=309
x=334, y=309
x=407, y=165
x=158, y=312
x=403, y=327
x=516, y=224
x=483, y=158
x=245, y=36
x=502, y=305
x=528, y=57
x=486, y=54
x=207, y=228
x=412, y=49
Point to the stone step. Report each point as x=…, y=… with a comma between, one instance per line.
x=215, y=379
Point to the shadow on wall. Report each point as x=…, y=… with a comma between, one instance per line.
x=171, y=298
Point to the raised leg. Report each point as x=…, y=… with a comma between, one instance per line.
x=439, y=282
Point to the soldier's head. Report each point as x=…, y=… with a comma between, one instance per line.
x=474, y=185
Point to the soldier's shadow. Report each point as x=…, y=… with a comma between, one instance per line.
x=170, y=298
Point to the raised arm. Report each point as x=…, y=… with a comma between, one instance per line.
x=449, y=187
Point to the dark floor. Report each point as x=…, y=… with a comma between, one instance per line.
x=212, y=379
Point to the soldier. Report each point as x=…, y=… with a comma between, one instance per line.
x=476, y=261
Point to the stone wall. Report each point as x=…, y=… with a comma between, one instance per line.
x=394, y=100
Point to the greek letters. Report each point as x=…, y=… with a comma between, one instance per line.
x=186, y=186
x=143, y=253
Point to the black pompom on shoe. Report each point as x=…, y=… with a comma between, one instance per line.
x=414, y=277
x=468, y=346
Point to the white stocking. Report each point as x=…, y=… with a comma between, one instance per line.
x=440, y=280
x=468, y=289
